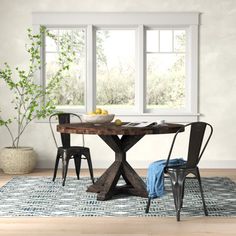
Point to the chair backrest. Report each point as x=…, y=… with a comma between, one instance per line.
x=196, y=146
x=64, y=118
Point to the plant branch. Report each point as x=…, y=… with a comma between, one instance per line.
x=12, y=138
x=28, y=94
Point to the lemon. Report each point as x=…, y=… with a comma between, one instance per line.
x=92, y=113
x=118, y=122
x=104, y=112
x=98, y=111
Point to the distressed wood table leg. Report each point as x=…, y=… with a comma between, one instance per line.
x=105, y=179
x=138, y=187
x=105, y=186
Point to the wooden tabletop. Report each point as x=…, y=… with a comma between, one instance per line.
x=112, y=129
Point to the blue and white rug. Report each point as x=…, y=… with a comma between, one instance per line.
x=39, y=196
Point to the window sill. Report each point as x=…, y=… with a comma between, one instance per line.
x=175, y=118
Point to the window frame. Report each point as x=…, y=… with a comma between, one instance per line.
x=119, y=111
x=72, y=108
x=187, y=82
x=140, y=21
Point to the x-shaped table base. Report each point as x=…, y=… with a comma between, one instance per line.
x=106, y=185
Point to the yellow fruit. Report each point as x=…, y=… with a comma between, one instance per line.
x=92, y=113
x=98, y=111
x=104, y=112
x=118, y=122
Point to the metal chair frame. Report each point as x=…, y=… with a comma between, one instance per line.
x=67, y=152
x=178, y=174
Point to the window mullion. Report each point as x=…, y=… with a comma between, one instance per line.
x=140, y=95
x=91, y=69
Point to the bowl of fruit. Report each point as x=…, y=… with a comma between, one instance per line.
x=98, y=117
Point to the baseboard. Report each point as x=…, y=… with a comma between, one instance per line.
x=218, y=164
x=140, y=164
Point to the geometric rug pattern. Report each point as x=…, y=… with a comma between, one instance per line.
x=39, y=196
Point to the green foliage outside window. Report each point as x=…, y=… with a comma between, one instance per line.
x=165, y=89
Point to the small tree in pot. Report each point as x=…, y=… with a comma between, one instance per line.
x=29, y=100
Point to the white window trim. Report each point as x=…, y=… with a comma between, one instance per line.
x=187, y=89
x=189, y=20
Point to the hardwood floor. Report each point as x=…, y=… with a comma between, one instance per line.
x=89, y=226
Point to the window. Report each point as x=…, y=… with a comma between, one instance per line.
x=133, y=64
x=165, y=69
x=115, y=69
x=72, y=88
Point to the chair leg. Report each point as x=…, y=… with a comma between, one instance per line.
x=201, y=190
x=88, y=157
x=77, y=160
x=65, y=171
x=56, y=167
x=182, y=197
x=148, y=205
x=179, y=199
x=177, y=183
x=63, y=165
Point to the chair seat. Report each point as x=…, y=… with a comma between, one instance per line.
x=182, y=168
x=176, y=167
x=73, y=151
x=73, y=148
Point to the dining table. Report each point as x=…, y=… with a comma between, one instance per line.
x=120, y=138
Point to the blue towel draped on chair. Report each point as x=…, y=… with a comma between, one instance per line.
x=155, y=176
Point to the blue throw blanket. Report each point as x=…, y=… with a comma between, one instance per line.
x=155, y=176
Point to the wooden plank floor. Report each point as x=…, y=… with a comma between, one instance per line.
x=114, y=226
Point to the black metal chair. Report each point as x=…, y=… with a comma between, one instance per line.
x=66, y=151
x=178, y=174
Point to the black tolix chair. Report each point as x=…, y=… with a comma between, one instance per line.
x=196, y=147
x=66, y=151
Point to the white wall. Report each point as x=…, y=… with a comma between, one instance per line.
x=217, y=75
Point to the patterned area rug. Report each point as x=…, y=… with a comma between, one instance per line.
x=39, y=196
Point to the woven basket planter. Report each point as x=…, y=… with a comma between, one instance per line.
x=20, y=160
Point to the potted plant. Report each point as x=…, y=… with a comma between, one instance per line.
x=29, y=101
